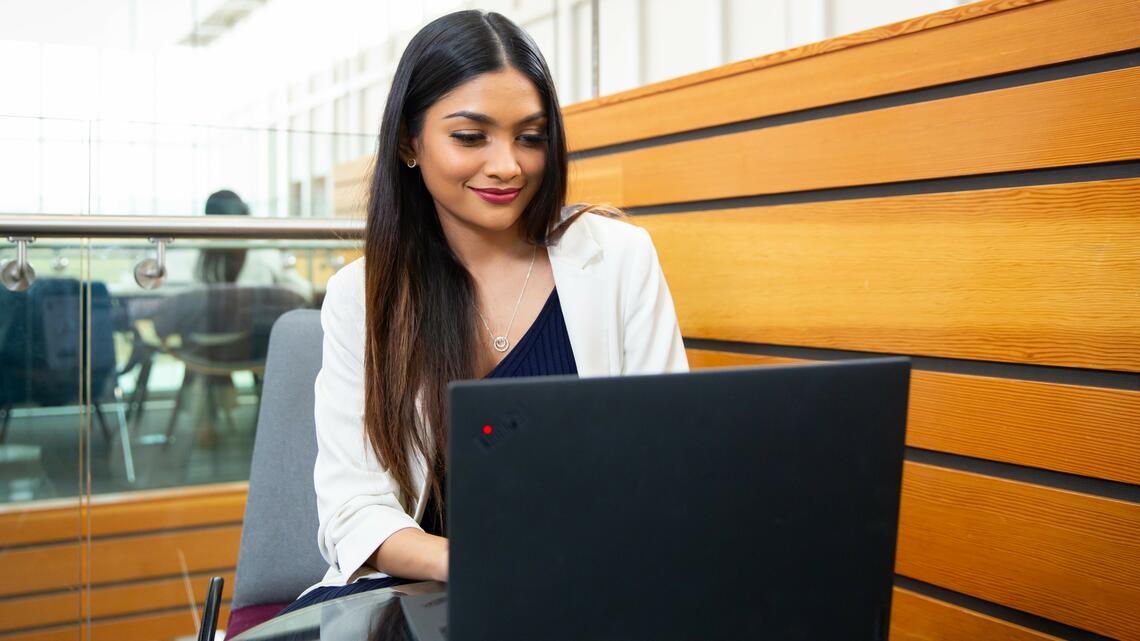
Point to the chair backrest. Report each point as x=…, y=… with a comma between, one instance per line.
x=278, y=558
x=42, y=341
x=244, y=313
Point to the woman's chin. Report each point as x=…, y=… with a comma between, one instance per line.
x=495, y=220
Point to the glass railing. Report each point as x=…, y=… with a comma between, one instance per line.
x=128, y=413
x=174, y=372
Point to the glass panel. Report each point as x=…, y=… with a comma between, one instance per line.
x=41, y=353
x=43, y=435
x=190, y=355
x=129, y=414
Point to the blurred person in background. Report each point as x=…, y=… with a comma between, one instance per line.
x=255, y=267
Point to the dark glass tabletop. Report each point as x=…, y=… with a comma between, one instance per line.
x=376, y=615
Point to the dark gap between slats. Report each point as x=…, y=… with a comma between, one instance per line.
x=1023, y=178
x=1037, y=373
x=1035, y=475
x=998, y=611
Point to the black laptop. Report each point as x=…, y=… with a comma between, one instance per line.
x=746, y=503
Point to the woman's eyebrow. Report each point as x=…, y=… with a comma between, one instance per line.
x=487, y=120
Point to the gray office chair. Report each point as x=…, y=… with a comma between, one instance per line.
x=278, y=557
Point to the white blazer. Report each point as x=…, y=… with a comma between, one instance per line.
x=620, y=320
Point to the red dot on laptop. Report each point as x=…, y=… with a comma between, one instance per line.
x=487, y=429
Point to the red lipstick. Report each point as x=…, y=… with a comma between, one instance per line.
x=497, y=196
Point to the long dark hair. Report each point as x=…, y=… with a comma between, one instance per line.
x=222, y=265
x=420, y=328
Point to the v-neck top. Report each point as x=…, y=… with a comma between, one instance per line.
x=544, y=350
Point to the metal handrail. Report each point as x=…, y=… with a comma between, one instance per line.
x=231, y=227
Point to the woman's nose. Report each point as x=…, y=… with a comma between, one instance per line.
x=501, y=163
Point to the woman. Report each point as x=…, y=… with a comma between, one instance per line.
x=470, y=270
x=253, y=267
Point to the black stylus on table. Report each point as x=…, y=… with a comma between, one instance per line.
x=210, y=613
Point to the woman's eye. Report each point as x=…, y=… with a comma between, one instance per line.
x=533, y=139
x=468, y=139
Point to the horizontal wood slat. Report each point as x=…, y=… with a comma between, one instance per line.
x=209, y=548
x=148, y=627
x=143, y=627
x=1027, y=127
x=835, y=70
x=705, y=358
x=1091, y=431
x=1042, y=275
x=119, y=600
x=1067, y=428
x=123, y=513
x=916, y=617
x=41, y=568
x=220, y=506
x=1066, y=556
x=30, y=524
x=41, y=611
x=57, y=567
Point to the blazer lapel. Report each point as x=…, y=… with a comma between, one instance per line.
x=582, y=292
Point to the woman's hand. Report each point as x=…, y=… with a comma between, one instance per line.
x=413, y=554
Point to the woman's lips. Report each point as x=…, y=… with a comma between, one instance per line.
x=497, y=196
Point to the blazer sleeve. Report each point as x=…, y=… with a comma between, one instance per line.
x=651, y=338
x=357, y=500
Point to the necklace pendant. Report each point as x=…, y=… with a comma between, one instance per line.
x=501, y=344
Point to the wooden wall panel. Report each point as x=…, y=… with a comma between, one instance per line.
x=1067, y=428
x=1043, y=275
x=159, y=594
x=1027, y=127
x=1090, y=431
x=117, y=559
x=55, y=522
x=142, y=544
x=123, y=513
x=835, y=71
x=1066, y=556
x=164, y=509
x=41, y=568
x=151, y=626
x=117, y=600
x=59, y=633
x=916, y=617
x=705, y=358
x=41, y=610
x=57, y=567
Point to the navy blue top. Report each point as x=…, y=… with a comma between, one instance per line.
x=544, y=350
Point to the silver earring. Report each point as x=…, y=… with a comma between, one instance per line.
x=412, y=163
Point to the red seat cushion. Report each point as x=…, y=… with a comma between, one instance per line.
x=245, y=618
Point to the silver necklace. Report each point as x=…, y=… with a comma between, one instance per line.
x=502, y=343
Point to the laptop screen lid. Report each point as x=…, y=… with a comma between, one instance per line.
x=736, y=503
